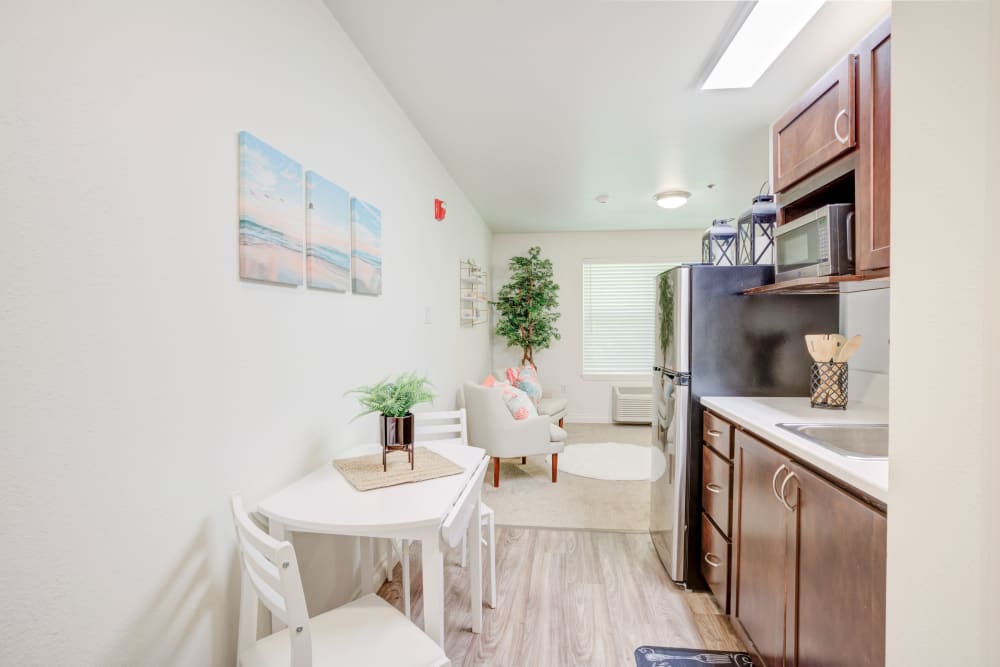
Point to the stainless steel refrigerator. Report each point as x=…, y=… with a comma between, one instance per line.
x=711, y=340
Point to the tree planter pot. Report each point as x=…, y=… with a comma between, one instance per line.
x=397, y=435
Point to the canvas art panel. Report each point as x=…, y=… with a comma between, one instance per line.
x=271, y=207
x=328, y=234
x=366, y=248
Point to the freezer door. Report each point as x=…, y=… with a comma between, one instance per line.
x=673, y=320
x=668, y=490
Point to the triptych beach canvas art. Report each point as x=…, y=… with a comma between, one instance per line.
x=366, y=253
x=343, y=235
x=270, y=213
x=328, y=234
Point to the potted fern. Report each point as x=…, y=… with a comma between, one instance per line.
x=393, y=400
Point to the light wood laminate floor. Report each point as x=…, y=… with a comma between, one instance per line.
x=567, y=598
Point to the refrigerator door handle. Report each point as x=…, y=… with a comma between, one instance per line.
x=682, y=416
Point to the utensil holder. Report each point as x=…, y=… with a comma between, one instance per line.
x=828, y=385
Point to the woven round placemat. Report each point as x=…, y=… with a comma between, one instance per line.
x=365, y=472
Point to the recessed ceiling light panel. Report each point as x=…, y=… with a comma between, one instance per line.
x=672, y=198
x=768, y=30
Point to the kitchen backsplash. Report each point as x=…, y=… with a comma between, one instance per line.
x=867, y=314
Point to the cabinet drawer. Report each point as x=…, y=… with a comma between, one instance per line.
x=716, y=488
x=718, y=434
x=715, y=553
x=819, y=128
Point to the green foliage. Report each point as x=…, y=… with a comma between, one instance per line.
x=527, y=304
x=393, y=398
x=666, y=312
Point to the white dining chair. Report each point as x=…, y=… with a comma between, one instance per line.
x=462, y=520
x=489, y=541
x=450, y=427
x=368, y=631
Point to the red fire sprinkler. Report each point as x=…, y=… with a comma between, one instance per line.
x=439, y=209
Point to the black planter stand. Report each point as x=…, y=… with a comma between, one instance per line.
x=397, y=435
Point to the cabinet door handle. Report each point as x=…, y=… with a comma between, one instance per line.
x=715, y=434
x=774, y=481
x=836, y=127
x=713, y=560
x=713, y=487
x=782, y=492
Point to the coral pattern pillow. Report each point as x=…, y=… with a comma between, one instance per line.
x=526, y=379
x=518, y=402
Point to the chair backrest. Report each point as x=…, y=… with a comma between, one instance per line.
x=441, y=427
x=457, y=522
x=270, y=575
x=487, y=413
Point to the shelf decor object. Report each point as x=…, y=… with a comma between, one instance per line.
x=473, y=294
x=328, y=234
x=393, y=399
x=718, y=243
x=270, y=207
x=755, y=238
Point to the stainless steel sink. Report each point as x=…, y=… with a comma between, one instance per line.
x=856, y=441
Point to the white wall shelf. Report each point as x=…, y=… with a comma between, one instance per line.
x=473, y=294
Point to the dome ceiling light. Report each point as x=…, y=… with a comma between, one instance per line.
x=672, y=198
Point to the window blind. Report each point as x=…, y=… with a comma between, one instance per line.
x=619, y=302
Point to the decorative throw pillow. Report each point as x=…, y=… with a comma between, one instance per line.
x=518, y=402
x=490, y=381
x=526, y=379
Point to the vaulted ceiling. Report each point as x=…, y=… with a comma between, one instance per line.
x=536, y=107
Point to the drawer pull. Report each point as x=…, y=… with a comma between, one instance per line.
x=782, y=492
x=713, y=560
x=715, y=434
x=836, y=127
x=713, y=487
x=774, y=483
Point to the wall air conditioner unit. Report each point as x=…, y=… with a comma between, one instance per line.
x=631, y=405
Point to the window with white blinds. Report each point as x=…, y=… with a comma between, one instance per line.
x=619, y=302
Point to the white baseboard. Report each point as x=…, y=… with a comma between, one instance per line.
x=587, y=419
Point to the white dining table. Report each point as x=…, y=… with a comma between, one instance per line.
x=325, y=502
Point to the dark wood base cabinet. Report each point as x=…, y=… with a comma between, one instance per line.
x=809, y=562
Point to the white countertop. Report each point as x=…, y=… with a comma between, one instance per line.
x=761, y=416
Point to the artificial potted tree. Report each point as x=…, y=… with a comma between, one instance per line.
x=393, y=400
x=526, y=305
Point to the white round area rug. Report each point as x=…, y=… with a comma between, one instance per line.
x=612, y=461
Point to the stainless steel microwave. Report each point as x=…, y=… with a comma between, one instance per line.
x=820, y=243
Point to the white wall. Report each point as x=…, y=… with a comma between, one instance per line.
x=141, y=381
x=944, y=502
x=562, y=364
x=866, y=314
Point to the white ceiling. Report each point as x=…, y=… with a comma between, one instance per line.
x=538, y=106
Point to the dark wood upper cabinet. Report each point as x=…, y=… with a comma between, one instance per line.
x=872, y=176
x=818, y=128
x=762, y=563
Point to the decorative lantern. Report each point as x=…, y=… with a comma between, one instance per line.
x=755, y=241
x=718, y=243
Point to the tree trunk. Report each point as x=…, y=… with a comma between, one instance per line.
x=527, y=356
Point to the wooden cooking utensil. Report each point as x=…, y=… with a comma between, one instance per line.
x=811, y=340
x=841, y=341
x=848, y=349
x=826, y=350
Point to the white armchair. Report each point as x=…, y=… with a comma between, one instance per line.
x=492, y=427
